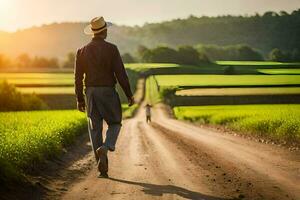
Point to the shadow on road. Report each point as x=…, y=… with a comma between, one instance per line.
x=159, y=190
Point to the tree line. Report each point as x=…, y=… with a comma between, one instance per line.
x=26, y=61
x=207, y=53
x=163, y=54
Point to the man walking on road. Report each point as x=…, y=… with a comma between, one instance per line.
x=148, y=112
x=99, y=63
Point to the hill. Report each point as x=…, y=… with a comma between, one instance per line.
x=264, y=32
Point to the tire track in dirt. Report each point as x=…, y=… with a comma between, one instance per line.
x=266, y=175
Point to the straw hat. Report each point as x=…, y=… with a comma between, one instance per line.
x=96, y=25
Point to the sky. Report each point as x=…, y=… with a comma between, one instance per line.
x=20, y=14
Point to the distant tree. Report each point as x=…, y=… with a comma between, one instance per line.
x=247, y=53
x=270, y=14
x=229, y=70
x=141, y=50
x=23, y=60
x=53, y=63
x=5, y=62
x=188, y=55
x=296, y=55
x=143, y=53
x=1, y=60
x=164, y=54
x=69, y=60
x=232, y=52
x=277, y=55
x=283, y=13
x=42, y=62
x=203, y=58
x=127, y=58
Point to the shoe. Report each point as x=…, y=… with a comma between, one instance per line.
x=103, y=175
x=103, y=160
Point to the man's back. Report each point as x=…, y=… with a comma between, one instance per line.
x=101, y=63
x=98, y=57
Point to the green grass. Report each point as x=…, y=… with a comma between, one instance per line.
x=27, y=138
x=44, y=79
x=39, y=82
x=150, y=65
x=274, y=121
x=255, y=63
x=227, y=80
x=279, y=71
x=47, y=90
x=238, y=91
x=55, y=83
x=152, y=94
x=15, y=75
x=128, y=111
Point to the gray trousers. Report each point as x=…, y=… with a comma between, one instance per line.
x=103, y=103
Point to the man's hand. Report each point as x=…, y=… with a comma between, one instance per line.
x=81, y=106
x=130, y=101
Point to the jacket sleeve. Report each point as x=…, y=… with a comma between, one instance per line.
x=79, y=73
x=120, y=73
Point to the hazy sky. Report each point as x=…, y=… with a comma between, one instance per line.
x=16, y=14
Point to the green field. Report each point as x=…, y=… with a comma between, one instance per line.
x=256, y=63
x=279, y=71
x=21, y=82
x=47, y=90
x=30, y=137
x=152, y=94
x=156, y=86
x=55, y=83
x=238, y=91
x=146, y=66
x=275, y=121
x=41, y=79
x=227, y=80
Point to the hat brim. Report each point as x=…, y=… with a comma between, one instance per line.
x=88, y=29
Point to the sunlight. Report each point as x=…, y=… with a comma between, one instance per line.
x=7, y=8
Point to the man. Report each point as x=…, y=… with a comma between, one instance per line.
x=100, y=64
x=148, y=112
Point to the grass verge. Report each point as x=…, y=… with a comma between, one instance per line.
x=128, y=111
x=28, y=138
x=280, y=122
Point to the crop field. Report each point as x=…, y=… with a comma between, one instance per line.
x=276, y=121
x=238, y=91
x=152, y=95
x=146, y=66
x=52, y=87
x=227, y=80
x=256, y=63
x=41, y=79
x=30, y=137
x=279, y=71
x=46, y=90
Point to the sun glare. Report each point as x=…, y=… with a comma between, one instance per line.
x=7, y=9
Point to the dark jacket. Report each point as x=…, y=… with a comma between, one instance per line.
x=101, y=63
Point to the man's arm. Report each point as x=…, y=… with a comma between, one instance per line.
x=121, y=75
x=78, y=71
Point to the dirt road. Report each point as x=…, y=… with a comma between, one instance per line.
x=170, y=159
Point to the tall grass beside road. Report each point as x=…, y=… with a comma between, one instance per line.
x=274, y=121
x=27, y=138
